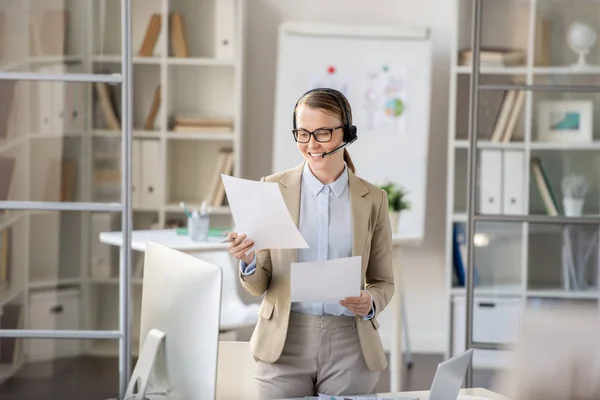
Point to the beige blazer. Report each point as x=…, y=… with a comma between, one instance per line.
x=372, y=240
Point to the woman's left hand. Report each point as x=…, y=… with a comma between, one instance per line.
x=359, y=305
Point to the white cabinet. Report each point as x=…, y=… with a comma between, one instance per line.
x=495, y=320
x=54, y=310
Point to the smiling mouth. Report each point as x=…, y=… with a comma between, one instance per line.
x=315, y=155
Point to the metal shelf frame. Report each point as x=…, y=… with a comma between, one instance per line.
x=472, y=217
x=124, y=207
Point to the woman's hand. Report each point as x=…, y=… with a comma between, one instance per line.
x=239, y=246
x=361, y=305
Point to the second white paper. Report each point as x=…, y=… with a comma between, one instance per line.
x=259, y=211
x=326, y=281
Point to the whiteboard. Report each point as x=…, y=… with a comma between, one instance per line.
x=385, y=72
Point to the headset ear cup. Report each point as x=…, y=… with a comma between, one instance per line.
x=352, y=135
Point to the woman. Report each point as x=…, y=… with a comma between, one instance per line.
x=303, y=349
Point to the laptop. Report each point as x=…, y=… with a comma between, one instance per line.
x=449, y=377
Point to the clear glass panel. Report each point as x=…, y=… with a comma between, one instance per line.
x=557, y=21
x=501, y=115
x=504, y=26
x=497, y=257
x=564, y=182
x=498, y=278
x=36, y=33
x=47, y=258
x=499, y=181
x=565, y=120
x=54, y=369
x=460, y=181
x=563, y=261
x=104, y=297
x=46, y=140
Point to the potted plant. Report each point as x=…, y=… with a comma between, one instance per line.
x=574, y=189
x=397, y=202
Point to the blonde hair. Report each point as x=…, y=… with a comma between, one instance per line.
x=325, y=101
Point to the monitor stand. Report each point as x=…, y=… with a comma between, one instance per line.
x=138, y=383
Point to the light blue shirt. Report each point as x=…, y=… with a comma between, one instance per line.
x=326, y=224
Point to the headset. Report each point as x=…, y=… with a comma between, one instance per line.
x=350, y=131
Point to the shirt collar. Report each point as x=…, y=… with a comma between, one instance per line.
x=316, y=186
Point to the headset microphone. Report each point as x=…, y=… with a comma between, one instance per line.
x=338, y=148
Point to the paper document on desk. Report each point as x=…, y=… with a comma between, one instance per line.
x=259, y=211
x=326, y=281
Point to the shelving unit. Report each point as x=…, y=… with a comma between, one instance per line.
x=181, y=165
x=60, y=250
x=520, y=251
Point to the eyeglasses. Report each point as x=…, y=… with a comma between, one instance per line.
x=321, y=135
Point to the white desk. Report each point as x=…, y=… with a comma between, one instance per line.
x=464, y=394
x=232, y=318
x=235, y=314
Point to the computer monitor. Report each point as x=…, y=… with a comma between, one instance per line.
x=449, y=377
x=179, y=331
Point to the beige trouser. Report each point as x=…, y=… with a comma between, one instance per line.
x=320, y=355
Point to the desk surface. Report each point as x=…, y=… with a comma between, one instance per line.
x=166, y=237
x=170, y=238
x=464, y=394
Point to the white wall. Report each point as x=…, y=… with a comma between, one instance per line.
x=424, y=266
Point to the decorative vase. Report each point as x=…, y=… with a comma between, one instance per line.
x=394, y=219
x=581, y=38
x=573, y=207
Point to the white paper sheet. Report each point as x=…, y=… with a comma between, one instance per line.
x=259, y=211
x=326, y=281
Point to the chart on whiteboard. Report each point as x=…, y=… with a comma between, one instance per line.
x=384, y=99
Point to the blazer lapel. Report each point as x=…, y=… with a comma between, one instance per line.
x=361, y=215
x=290, y=190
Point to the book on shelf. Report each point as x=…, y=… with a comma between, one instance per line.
x=543, y=185
x=177, y=36
x=108, y=105
x=154, y=107
x=493, y=57
x=6, y=241
x=179, y=44
x=199, y=123
x=223, y=165
x=7, y=169
x=508, y=115
x=7, y=93
x=151, y=36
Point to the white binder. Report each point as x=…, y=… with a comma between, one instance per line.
x=151, y=197
x=224, y=29
x=490, y=182
x=136, y=173
x=513, y=182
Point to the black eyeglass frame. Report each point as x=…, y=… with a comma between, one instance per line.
x=295, y=133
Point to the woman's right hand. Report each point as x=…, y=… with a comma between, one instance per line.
x=239, y=246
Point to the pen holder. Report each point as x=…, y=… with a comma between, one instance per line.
x=198, y=228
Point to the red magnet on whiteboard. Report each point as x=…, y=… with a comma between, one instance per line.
x=331, y=69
